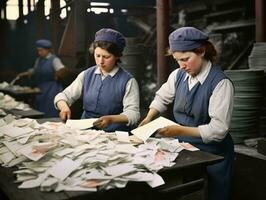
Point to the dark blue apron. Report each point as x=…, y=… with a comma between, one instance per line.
x=44, y=79
x=191, y=109
x=105, y=97
x=220, y=174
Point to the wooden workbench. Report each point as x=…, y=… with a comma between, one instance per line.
x=188, y=175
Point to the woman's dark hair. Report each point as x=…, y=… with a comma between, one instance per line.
x=108, y=46
x=210, y=51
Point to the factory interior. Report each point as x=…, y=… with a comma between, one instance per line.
x=237, y=30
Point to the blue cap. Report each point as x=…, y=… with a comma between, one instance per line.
x=43, y=43
x=110, y=35
x=186, y=38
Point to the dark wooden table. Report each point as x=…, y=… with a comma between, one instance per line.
x=250, y=177
x=32, y=113
x=26, y=96
x=20, y=93
x=185, y=177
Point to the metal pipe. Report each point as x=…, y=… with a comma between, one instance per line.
x=141, y=24
x=20, y=8
x=260, y=21
x=3, y=9
x=162, y=19
x=40, y=19
x=29, y=5
x=55, y=22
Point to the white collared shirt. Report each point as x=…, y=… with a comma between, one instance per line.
x=104, y=75
x=130, y=100
x=220, y=105
x=201, y=77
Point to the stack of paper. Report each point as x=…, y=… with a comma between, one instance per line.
x=7, y=103
x=54, y=156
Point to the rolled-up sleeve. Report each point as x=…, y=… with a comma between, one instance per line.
x=72, y=92
x=166, y=94
x=57, y=64
x=131, y=102
x=220, y=112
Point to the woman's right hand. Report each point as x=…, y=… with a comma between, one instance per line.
x=144, y=121
x=65, y=112
x=149, y=117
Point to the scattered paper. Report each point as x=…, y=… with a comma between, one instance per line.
x=13, y=131
x=54, y=156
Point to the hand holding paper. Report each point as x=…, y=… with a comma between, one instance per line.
x=81, y=124
x=103, y=122
x=169, y=131
x=145, y=131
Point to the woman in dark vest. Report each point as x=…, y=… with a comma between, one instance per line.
x=46, y=68
x=203, y=103
x=109, y=92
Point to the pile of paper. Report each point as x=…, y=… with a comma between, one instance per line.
x=7, y=103
x=10, y=86
x=53, y=156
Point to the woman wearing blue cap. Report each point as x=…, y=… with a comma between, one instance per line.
x=46, y=68
x=203, y=103
x=109, y=92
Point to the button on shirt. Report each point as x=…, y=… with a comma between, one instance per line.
x=130, y=100
x=220, y=105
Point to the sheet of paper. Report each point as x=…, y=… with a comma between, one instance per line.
x=9, y=118
x=17, y=161
x=122, y=136
x=35, y=182
x=7, y=157
x=80, y=124
x=64, y=152
x=13, y=146
x=2, y=122
x=171, y=145
x=126, y=148
x=119, y=170
x=49, y=182
x=140, y=176
x=145, y=131
x=189, y=146
x=96, y=175
x=62, y=187
x=63, y=168
x=13, y=131
x=157, y=181
x=31, y=153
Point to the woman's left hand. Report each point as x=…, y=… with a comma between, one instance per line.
x=170, y=131
x=103, y=122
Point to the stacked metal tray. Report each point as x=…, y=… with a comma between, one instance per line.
x=247, y=103
x=257, y=60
